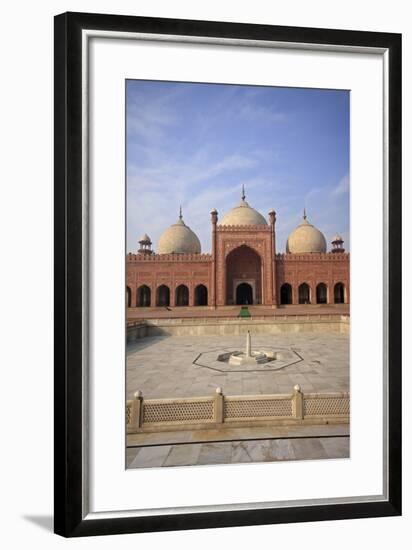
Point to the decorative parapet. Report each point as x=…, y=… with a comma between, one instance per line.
x=313, y=257
x=151, y=415
x=206, y=257
x=242, y=228
x=135, y=258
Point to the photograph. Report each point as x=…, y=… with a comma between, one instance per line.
x=237, y=273
x=228, y=248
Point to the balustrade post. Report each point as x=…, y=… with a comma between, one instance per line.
x=297, y=403
x=219, y=406
x=136, y=411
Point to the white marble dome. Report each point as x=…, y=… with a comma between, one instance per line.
x=178, y=239
x=306, y=239
x=243, y=215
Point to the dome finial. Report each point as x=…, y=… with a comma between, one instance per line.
x=243, y=196
x=304, y=213
x=180, y=213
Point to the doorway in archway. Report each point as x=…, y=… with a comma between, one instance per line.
x=244, y=294
x=201, y=295
x=243, y=266
x=143, y=296
x=339, y=293
x=304, y=293
x=182, y=296
x=286, y=294
x=163, y=296
x=321, y=293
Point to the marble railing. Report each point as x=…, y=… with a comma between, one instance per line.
x=219, y=410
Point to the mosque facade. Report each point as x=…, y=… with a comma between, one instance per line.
x=243, y=267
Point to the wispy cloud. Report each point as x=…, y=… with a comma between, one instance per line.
x=342, y=187
x=251, y=112
x=150, y=116
x=183, y=174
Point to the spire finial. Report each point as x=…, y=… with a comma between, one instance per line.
x=180, y=213
x=243, y=192
x=304, y=213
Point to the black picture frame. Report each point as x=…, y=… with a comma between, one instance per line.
x=69, y=516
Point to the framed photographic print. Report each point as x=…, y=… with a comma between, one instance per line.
x=227, y=274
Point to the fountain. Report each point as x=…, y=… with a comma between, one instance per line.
x=247, y=357
x=252, y=360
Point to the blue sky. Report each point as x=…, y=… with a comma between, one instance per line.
x=196, y=144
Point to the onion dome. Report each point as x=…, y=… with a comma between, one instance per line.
x=306, y=239
x=243, y=214
x=179, y=239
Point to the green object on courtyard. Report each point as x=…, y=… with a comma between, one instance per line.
x=244, y=312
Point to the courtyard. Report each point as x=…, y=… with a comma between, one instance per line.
x=186, y=366
x=178, y=366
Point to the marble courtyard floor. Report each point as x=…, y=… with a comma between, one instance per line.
x=166, y=366
x=231, y=452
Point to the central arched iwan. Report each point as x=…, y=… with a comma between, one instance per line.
x=243, y=266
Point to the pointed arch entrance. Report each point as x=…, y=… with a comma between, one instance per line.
x=201, y=295
x=304, y=293
x=339, y=293
x=243, y=276
x=286, y=294
x=321, y=294
x=244, y=294
x=163, y=296
x=143, y=296
x=182, y=296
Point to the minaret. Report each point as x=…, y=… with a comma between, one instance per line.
x=337, y=245
x=214, y=218
x=145, y=245
x=272, y=217
x=272, y=221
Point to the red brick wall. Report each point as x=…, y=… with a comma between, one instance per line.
x=194, y=269
x=170, y=270
x=313, y=269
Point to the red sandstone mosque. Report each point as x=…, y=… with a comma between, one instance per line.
x=242, y=268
